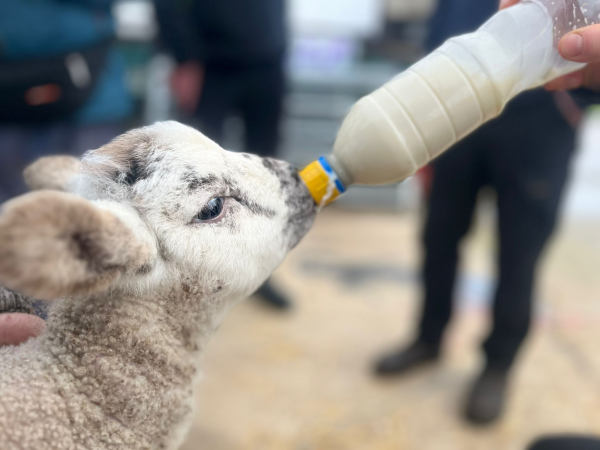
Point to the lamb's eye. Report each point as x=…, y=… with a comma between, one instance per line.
x=211, y=211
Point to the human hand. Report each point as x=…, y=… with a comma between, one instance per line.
x=186, y=83
x=16, y=328
x=583, y=46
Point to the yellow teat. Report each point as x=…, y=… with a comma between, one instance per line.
x=322, y=182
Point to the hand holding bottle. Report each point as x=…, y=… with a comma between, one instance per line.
x=582, y=45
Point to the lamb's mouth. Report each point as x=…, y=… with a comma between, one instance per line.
x=306, y=213
x=299, y=224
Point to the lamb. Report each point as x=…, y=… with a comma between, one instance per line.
x=154, y=237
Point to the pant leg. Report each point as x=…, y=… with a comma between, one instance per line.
x=261, y=104
x=457, y=179
x=567, y=443
x=529, y=170
x=218, y=99
x=12, y=161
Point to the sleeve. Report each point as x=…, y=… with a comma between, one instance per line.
x=177, y=31
x=30, y=29
x=585, y=97
x=11, y=302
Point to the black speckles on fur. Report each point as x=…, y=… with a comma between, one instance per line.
x=144, y=270
x=270, y=164
x=139, y=162
x=239, y=195
x=11, y=302
x=302, y=208
x=138, y=170
x=194, y=182
x=254, y=207
x=296, y=193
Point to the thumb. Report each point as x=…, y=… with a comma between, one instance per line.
x=582, y=45
x=506, y=3
x=16, y=328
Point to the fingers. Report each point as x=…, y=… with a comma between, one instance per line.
x=582, y=45
x=16, y=328
x=506, y=3
x=571, y=81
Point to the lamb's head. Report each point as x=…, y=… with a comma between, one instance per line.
x=159, y=207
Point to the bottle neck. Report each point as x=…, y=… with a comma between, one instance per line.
x=337, y=166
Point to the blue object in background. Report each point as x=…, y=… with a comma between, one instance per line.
x=31, y=29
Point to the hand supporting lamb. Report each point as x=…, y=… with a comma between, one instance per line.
x=17, y=321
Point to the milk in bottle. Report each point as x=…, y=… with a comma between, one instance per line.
x=391, y=133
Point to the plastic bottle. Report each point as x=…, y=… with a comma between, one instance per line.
x=391, y=133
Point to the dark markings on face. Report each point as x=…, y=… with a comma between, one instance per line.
x=237, y=193
x=254, y=207
x=223, y=186
x=269, y=163
x=137, y=171
x=139, y=161
x=247, y=155
x=144, y=270
x=218, y=288
x=194, y=182
x=286, y=173
x=301, y=206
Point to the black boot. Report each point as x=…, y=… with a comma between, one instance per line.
x=417, y=354
x=273, y=298
x=486, y=399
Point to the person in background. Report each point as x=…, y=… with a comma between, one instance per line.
x=524, y=155
x=581, y=46
x=62, y=84
x=230, y=57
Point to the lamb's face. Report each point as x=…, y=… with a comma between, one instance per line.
x=193, y=214
x=229, y=218
x=224, y=219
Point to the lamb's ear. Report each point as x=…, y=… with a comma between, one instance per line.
x=54, y=244
x=56, y=173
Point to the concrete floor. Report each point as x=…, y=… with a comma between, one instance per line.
x=302, y=380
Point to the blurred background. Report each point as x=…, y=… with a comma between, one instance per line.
x=296, y=371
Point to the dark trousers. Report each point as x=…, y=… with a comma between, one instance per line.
x=524, y=156
x=255, y=92
x=567, y=443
